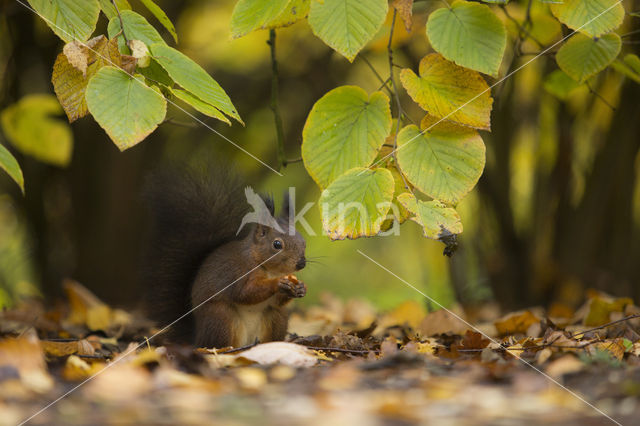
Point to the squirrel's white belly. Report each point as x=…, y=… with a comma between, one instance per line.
x=250, y=324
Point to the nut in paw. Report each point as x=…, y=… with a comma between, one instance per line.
x=293, y=287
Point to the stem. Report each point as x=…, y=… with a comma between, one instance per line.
x=348, y=351
x=606, y=325
x=521, y=29
x=175, y=122
x=384, y=83
x=121, y=23
x=599, y=96
x=282, y=160
x=397, y=98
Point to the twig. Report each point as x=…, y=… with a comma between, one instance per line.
x=179, y=123
x=542, y=346
x=240, y=349
x=630, y=33
x=384, y=83
x=599, y=96
x=398, y=104
x=121, y=23
x=521, y=29
x=274, y=100
x=630, y=317
x=341, y=350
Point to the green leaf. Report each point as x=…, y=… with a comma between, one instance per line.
x=199, y=104
x=436, y=219
x=447, y=90
x=9, y=164
x=110, y=11
x=628, y=344
x=249, y=15
x=193, y=78
x=30, y=127
x=155, y=73
x=470, y=35
x=294, y=12
x=69, y=19
x=161, y=16
x=123, y=106
x=347, y=25
x=445, y=162
x=582, y=56
x=559, y=84
x=135, y=28
x=630, y=67
x=345, y=129
x=592, y=17
x=356, y=203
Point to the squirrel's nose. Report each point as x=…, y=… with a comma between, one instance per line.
x=301, y=263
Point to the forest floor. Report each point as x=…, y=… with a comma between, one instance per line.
x=344, y=363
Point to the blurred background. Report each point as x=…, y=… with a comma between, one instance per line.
x=556, y=212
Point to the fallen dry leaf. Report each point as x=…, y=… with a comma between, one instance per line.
x=440, y=322
x=565, y=365
x=24, y=355
x=518, y=322
x=280, y=353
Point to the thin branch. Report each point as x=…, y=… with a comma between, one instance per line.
x=543, y=53
x=599, y=96
x=630, y=33
x=282, y=160
x=630, y=317
x=175, y=122
x=384, y=83
x=239, y=349
x=121, y=23
x=397, y=98
x=348, y=351
x=521, y=30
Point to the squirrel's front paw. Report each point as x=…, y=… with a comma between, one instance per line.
x=293, y=288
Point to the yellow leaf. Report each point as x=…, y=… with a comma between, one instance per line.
x=30, y=126
x=615, y=347
x=601, y=307
x=516, y=323
x=65, y=348
x=70, y=83
x=86, y=308
x=76, y=369
x=449, y=91
x=25, y=355
x=565, y=365
x=409, y=312
x=405, y=10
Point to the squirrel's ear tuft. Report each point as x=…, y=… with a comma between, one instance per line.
x=268, y=201
x=286, y=205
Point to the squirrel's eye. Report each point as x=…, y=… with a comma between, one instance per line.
x=277, y=244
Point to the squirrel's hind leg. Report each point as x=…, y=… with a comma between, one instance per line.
x=214, y=325
x=279, y=321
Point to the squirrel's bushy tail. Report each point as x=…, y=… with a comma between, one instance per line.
x=193, y=211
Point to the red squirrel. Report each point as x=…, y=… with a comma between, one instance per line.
x=240, y=284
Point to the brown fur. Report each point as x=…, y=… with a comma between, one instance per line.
x=242, y=297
